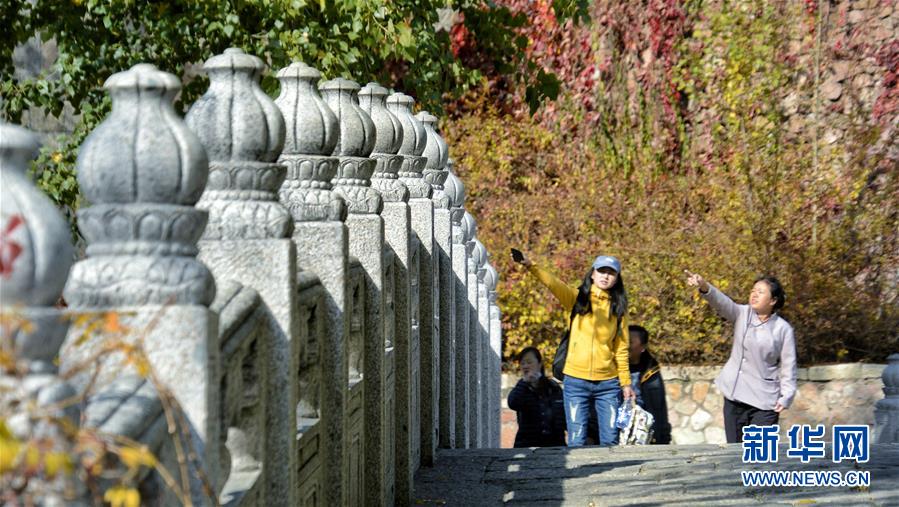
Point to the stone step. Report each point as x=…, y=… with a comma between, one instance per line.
x=638, y=475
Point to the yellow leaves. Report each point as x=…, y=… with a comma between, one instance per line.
x=142, y=366
x=7, y=361
x=685, y=312
x=55, y=462
x=9, y=451
x=93, y=324
x=10, y=447
x=28, y=456
x=135, y=457
x=4, y=430
x=56, y=157
x=121, y=496
x=113, y=333
x=134, y=355
x=132, y=456
x=111, y=323
x=32, y=458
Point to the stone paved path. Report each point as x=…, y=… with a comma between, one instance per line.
x=638, y=476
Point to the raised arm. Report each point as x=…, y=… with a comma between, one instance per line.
x=517, y=399
x=566, y=294
x=722, y=304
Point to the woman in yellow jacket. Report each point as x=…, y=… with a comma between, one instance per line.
x=596, y=368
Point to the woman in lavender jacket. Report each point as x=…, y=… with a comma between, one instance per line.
x=759, y=380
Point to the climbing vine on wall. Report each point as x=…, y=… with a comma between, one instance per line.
x=669, y=147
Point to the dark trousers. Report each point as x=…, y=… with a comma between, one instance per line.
x=737, y=415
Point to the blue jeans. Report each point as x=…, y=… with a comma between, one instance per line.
x=582, y=395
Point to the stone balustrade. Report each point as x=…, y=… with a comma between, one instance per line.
x=303, y=273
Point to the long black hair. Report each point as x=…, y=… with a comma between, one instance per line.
x=617, y=293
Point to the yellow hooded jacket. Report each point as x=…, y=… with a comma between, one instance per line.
x=595, y=350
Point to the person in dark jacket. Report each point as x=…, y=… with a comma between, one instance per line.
x=646, y=378
x=648, y=383
x=537, y=401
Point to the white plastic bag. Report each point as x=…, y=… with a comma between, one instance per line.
x=637, y=425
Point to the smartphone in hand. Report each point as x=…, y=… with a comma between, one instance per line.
x=517, y=256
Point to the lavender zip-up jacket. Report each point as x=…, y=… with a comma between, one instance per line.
x=761, y=370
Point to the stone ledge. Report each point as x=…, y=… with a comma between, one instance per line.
x=848, y=371
x=824, y=373
x=690, y=373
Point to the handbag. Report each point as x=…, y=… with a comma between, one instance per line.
x=562, y=349
x=635, y=424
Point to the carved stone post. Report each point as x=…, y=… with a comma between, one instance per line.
x=397, y=229
x=886, y=411
x=366, y=228
x=436, y=173
x=456, y=192
x=422, y=273
x=143, y=170
x=494, y=384
x=246, y=240
x=37, y=258
x=320, y=236
x=474, y=336
x=483, y=348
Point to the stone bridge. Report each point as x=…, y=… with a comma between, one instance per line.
x=307, y=295
x=301, y=273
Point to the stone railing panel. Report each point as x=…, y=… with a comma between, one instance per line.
x=311, y=382
x=474, y=333
x=442, y=406
x=245, y=367
x=366, y=242
x=321, y=248
x=143, y=170
x=246, y=239
x=354, y=461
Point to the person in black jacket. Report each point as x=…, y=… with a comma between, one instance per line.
x=538, y=403
x=647, y=376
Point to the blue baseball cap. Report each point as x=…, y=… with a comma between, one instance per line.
x=607, y=261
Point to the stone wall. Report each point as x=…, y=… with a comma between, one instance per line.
x=837, y=78
x=828, y=395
